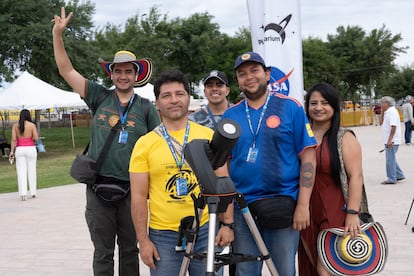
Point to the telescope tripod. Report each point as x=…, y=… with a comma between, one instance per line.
x=216, y=192
x=189, y=229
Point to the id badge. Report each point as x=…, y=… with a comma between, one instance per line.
x=123, y=137
x=181, y=186
x=252, y=155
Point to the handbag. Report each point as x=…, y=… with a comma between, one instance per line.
x=84, y=169
x=273, y=212
x=40, y=147
x=364, y=214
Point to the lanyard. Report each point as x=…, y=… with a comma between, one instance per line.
x=210, y=114
x=260, y=119
x=170, y=145
x=123, y=116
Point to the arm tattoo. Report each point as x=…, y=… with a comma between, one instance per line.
x=306, y=176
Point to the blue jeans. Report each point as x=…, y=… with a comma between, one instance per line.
x=170, y=260
x=281, y=243
x=408, y=132
x=394, y=171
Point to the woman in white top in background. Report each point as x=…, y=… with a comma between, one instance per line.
x=24, y=136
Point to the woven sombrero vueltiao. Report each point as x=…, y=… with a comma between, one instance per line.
x=144, y=66
x=364, y=255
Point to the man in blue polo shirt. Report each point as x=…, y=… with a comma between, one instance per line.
x=273, y=164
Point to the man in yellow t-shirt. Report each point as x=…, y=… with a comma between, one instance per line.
x=159, y=172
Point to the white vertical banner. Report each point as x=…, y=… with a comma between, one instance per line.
x=275, y=27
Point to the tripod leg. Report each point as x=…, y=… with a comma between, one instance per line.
x=210, y=248
x=212, y=208
x=190, y=246
x=256, y=234
x=409, y=212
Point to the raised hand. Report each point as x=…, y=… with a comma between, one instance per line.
x=61, y=21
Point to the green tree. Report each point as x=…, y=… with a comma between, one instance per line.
x=318, y=63
x=194, y=44
x=398, y=85
x=26, y=39
x=24, y=30
x=363, y=59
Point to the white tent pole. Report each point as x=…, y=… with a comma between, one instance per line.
x=71, y=129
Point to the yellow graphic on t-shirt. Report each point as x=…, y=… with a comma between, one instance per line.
x=189, y=176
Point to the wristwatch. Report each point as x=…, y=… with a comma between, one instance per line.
x=230, y=225
x=351, y=212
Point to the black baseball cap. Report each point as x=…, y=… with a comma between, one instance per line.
x=248, y=57
x=218, y=75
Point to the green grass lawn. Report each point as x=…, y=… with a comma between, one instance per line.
x=52, y=166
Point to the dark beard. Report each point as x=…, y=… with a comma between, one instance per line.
x=254, y=96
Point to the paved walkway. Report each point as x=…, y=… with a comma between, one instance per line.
x=48, y=235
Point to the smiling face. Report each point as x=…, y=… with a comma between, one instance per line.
x=319, y=109
x=173, y=101
x=252, y=79
x=216, y=91
x=123, y=76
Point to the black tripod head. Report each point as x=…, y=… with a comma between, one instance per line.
x=204, y=157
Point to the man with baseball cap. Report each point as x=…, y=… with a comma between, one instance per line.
x=109, y=219
x=272, y=164
x=216, y=90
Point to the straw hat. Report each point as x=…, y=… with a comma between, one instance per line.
x=364, y=255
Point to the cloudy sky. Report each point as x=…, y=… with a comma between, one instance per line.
x=319, y=17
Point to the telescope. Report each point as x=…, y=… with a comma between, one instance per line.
x=217, y=192
x=204, y=157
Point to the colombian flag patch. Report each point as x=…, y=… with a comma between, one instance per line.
x=309, y=129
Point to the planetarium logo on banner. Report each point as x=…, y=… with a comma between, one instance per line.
x=275, y=33
x=279, y=28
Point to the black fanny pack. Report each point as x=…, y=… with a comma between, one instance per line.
x=111, y=190
x=274, y=212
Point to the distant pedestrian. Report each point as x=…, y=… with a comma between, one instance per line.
x=23, y=149
x=391, y=129
x=407, y=111
x=377, y=113
x=3, y=146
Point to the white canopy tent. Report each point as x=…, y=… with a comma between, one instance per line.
x=29, y=92
x=146, y=91
x=32, y=93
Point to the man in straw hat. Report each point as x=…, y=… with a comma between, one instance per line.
x=109, y=219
